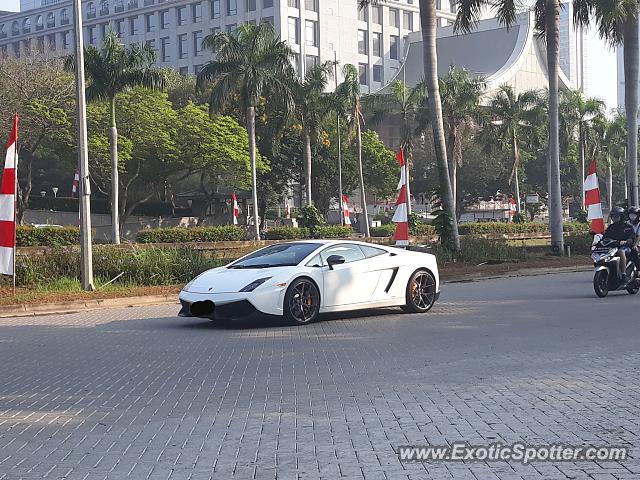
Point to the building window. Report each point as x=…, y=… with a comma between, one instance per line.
x=294, y=36
x=150, y=22
x=377, y=73
x=408, y=21
x=104, y=7
x=164, y=19
x=196, y=12
x=64, y=17
x=120, y=28
x=363, y=42
x=51, y=40
x=232, y=7
x=91, y=10
x=132, y=4
x=293, y=3
x=164, y=49
x=267, y=4
x=311, y=33
x=231, y=28
x=197, y=42
x=362, y=70
x=393, y=47
x=91, y=34
x=151, y=44
x=118, y=6
x=181, y=14
x=182, y=45
x=39, y=23
x=363, y=14
x=133, y=25
x=148, y=2
x=251, y=5
x=268, y=20
x=26, y=25
x=197, y=69
x=65, y=39
x=51, y=20
x=377, y=44
x=394, y=19
x=215, y=8
x=311, y=5
x=310, y=62
x=376, y=14
x=184, y=71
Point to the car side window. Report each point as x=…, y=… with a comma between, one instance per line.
x=372, y=251
x=315, y=261
x=351, y=253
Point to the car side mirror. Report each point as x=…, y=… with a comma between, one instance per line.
x=335, y=260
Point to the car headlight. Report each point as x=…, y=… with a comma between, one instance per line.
x=255, y=284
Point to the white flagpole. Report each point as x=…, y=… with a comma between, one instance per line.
x=15, y=209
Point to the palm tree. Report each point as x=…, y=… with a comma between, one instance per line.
x=406, y=102
x=614, y=146
x=547, y=24
x=429, y=24
x=579, y=112
x=461, y=95
x=312, y=106
x=250, y=63
x=113, y=69
x=511, y=117
x=349, y=102
x=617, y=22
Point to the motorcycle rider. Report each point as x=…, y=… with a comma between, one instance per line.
x=634, y=220
x=622, y=232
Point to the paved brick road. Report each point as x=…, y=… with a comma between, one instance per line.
x=139, y=393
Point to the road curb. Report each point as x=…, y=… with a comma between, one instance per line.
x=76, y=306
x=28, y=310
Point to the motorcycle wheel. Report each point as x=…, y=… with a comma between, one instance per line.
x=633, y=290
x=601, y=283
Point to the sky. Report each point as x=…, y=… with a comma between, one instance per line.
x=601, y=64
x=10, y=5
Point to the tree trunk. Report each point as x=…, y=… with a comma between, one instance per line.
x=25, y=193
x=581, y=149
x=307, y=166
x=428, y=21
x=609, y=183
x=631, y=76
x=251, y=128
x=115, y=181
x=555, y=194
x=453, y=168
x=362, y=195
x=516, y=166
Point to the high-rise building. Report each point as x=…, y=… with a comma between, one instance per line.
x=372, y=39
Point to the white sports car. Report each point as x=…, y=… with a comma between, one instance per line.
x=299, y=280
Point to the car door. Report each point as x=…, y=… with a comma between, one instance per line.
x=351, y=282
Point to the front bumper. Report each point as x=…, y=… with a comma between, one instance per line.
x=228, y=311
x=232, y=305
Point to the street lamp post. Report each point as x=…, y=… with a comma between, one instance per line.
x=86, y=254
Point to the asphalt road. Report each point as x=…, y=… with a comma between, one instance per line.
x=139, y=393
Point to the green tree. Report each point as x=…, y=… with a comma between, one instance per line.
x=511, y=117
x=42, y=94
x=312, y=106
x=250, y=63
x=547, y=24
x=112, y=69
x=579, y=113
x=348, y=103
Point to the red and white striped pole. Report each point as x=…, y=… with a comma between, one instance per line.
x=236, y=210
x=9, y=206
x=592, y=200
x=401, y=215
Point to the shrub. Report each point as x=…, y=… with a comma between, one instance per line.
x=580, y=244
x=309, y=217
x=383, y=231
x=141, y=266
x=422, y=230
x=478, y=250
x=287, y=233
x=333, y=231
x=185, y=235
x=47, y=236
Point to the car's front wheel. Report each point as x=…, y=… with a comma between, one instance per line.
x=301, y=302
x=421, y=292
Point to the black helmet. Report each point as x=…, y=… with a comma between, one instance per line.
x=617, y=214
x=634, y=214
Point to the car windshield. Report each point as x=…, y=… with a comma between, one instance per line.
x=283, y=255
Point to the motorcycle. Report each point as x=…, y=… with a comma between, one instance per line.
x=604, y=253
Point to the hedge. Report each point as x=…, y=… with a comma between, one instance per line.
x=333, y=231
x=487, y=228
x=287, y=233
x=186, y=235
x=420, y=230
x=383, y=231
x=47, y=236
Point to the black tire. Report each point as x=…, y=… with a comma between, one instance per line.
x=421, y=292
x=633, y=290
x=301, y=302
x=601, y=283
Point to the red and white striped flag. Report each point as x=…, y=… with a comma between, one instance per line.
x=236, y=211
x=8, y=191
x=401, y=217
x=345, y=210
x=75, y=184
x=592, y=200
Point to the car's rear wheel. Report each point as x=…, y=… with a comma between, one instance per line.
x=302, y=302
x=421, y=292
